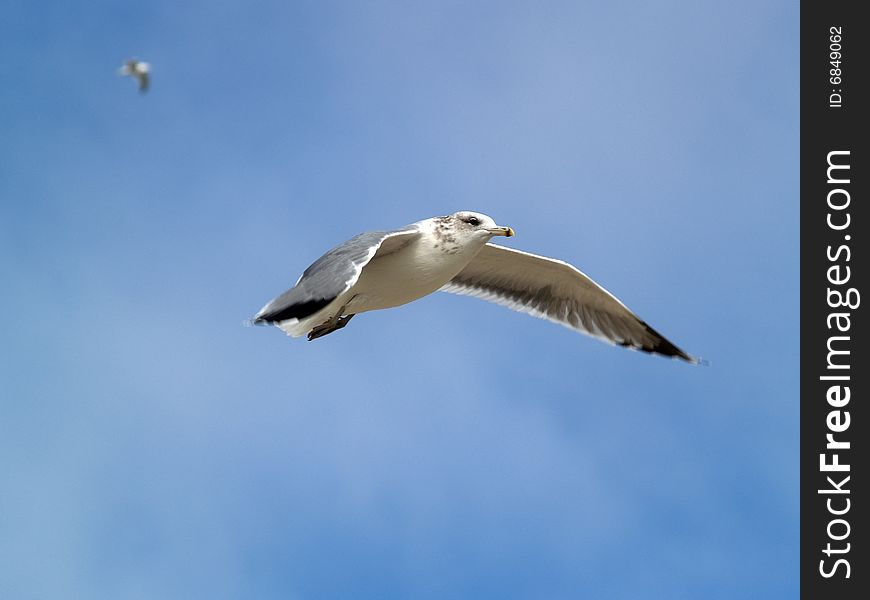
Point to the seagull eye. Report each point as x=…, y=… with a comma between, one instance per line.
x=474, y=221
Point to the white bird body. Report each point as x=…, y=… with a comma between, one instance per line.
x=426, y=271
x=426, y=253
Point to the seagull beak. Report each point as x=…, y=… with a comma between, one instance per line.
x=505, y=231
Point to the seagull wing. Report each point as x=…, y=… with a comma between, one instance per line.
x=144, y=80
x=555, y=290
x=333, y=274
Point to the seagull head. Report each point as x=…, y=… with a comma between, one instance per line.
x=478, y=225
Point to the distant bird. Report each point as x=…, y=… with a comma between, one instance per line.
x=383, y=269
x=138, y=69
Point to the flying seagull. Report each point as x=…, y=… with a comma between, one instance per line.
x=383, y=269
x=138, y=69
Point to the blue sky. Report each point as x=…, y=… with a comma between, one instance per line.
x=151, y=446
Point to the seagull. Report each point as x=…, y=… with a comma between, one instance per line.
x=453, y=253
x=138, y=69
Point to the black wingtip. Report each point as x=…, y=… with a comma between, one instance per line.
x=298, y=311
x=662, y=346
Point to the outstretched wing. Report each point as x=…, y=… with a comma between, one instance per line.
x=333, y=274
x=555, y=290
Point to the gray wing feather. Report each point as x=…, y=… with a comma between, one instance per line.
x=332, y=274
x=555, y=290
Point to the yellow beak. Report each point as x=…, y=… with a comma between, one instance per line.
x=505, y=231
